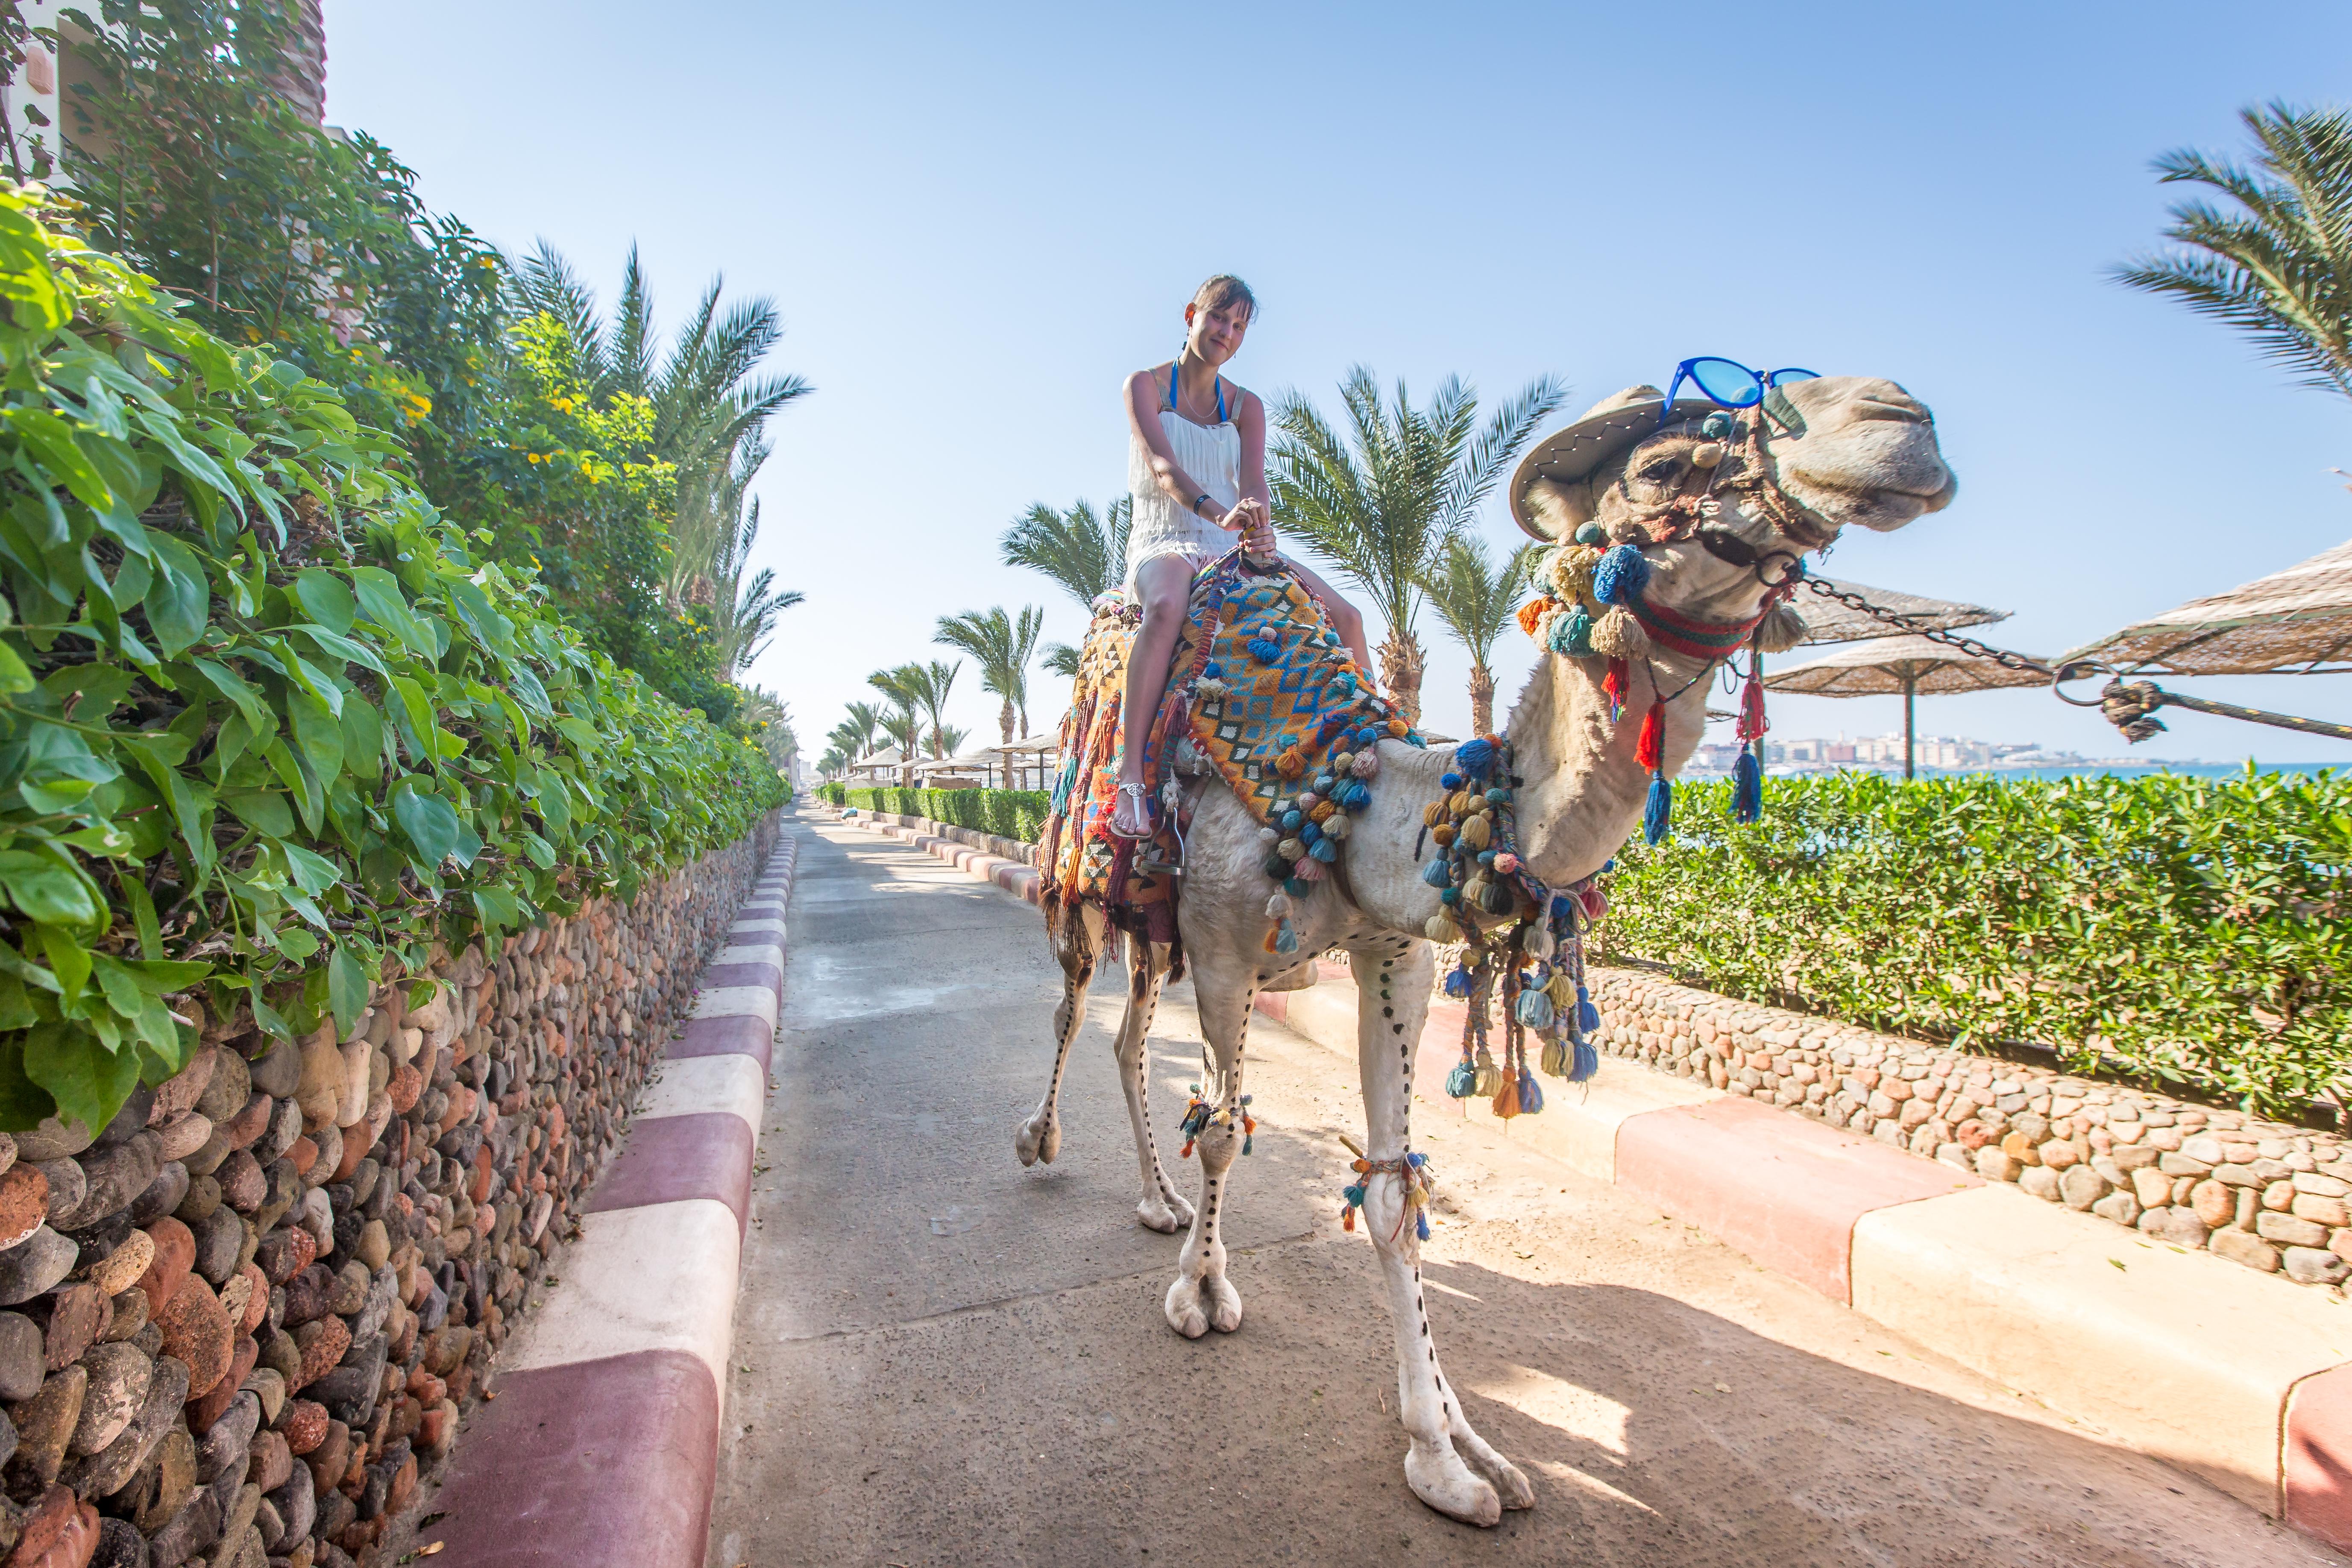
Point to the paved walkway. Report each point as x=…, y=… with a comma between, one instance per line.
x=942, y=1357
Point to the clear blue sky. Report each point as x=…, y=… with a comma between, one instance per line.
x=977, y=219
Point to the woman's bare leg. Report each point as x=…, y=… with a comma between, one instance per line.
x=1164, y=584
x=1346, y=619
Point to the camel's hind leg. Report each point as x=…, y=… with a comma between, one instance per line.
x=1162, y=1209
x=1449, y=1466
x=1201, y=1298
x=1077, y=943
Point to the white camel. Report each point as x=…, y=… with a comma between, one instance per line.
x=1831, y=452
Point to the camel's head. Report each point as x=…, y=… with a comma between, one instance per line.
x=1757, y=484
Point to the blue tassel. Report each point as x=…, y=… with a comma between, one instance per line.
x=1324, y=850
x=1331, y=637
x=1291, y=819
x=1535, y=1009
x=1747, y=789
x=1449, y=781
x=1457, y=983
x=1449, y=895
x=1463, y=1081
x=1266, y=650
x=1421, y=1225
x=1623, y=573
x=1357, y=795
x=1658, y=815
x=1285, y=941
x=1309, y=833
x=1354, y=1193
x=1531, y=1094
x=1293, y=887
x=1588, y=1062
x=1592, y=533
x=1588, y=1016
x=1437, y=873
x=1485, y=856
x=1212, y=669
x=1345, y=685
x=1474, y=756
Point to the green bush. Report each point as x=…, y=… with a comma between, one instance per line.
x=2196, y=931
x=268, y=726
x=1016, y=813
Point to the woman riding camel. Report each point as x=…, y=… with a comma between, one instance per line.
x=1196, y=464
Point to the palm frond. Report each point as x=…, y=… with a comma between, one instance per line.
x=2279, y=267
x=1061, y=659
x=1084, y=552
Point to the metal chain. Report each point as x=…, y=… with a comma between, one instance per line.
x=2000, y=655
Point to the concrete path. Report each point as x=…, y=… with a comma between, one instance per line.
x=944, y=1359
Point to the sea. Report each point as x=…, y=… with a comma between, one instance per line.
x=2116, y=767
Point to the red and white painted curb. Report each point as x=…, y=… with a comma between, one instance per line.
x=2240, y=1378
x=602, y=1445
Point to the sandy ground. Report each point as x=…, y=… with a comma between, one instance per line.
x=942, y=1357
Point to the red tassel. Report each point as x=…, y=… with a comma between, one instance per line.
x=1651, y=749
x=1616, y=683
x=1752, y=724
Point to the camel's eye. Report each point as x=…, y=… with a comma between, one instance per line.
x=1660, y=473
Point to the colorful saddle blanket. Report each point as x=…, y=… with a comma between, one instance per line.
x=1261, y=693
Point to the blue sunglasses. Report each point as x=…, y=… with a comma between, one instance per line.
x=1728, y=383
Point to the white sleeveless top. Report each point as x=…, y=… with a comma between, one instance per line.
x=1212, y=454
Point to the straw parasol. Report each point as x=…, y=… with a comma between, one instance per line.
x=2298, y=621
x=1826, y=620
x=1910, y=665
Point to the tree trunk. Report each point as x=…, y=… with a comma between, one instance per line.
x=1482, y=700
x=1004, y=721
x=1401, y=660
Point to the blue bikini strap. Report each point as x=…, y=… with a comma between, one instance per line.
x=1180, y=408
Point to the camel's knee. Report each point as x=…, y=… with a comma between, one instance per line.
x=1217, y=1144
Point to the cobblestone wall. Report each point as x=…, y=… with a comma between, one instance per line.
x=2271, y=1196
x=239, y=1324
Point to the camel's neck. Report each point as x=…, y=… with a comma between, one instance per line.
x=1584, y=791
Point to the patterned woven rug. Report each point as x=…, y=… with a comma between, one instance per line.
x=1262, y=693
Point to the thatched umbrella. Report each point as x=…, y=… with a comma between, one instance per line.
x=2298, y=621
x=1827, y=620
x=1910, y=665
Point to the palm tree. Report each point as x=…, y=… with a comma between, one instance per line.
x=710, y=408
x=769, y=721
x=919, y=686
x=1478, y=601
x=743, y=628
x=831, y=764
x=1060, y=658
x=1383, y=511
x=900, y=724
x=946, y=739
x=2279, y=267
x=857, y=729
x=1085, y=553
x=1003, y=647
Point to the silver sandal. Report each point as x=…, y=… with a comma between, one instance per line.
x=1148, y=811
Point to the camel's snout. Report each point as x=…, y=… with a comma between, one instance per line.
x=1867, y=454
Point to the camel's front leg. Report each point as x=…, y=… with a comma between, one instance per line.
x=1449, y=1466
x=1202, y=1298
x=1076, y=946
x=1162, y=1208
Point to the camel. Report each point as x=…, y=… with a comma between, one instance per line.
x=1829, y=454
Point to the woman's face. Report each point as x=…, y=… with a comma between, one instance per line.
x=1215, y=333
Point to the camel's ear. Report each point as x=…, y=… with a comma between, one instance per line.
x=1559, y=507
x=1782, y=629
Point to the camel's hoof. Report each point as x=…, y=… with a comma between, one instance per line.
x=1502, y=1475
x=1040, y=1138
x=1152, y=1214
x=1222, y=1301
x=1440, y=1479
x=1184, y=1314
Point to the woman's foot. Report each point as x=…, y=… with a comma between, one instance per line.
x=1133, y=816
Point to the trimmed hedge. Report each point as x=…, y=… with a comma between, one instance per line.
x=2196, y=930
x=269, y=729
x=1016, y=813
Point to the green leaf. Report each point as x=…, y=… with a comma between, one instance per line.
x=379, y=599
x=46, y=891
x=179, y=599
x=428, y=821
x=326, y=598
x=89, y=1084
x=319, y=733
x=348, y=989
